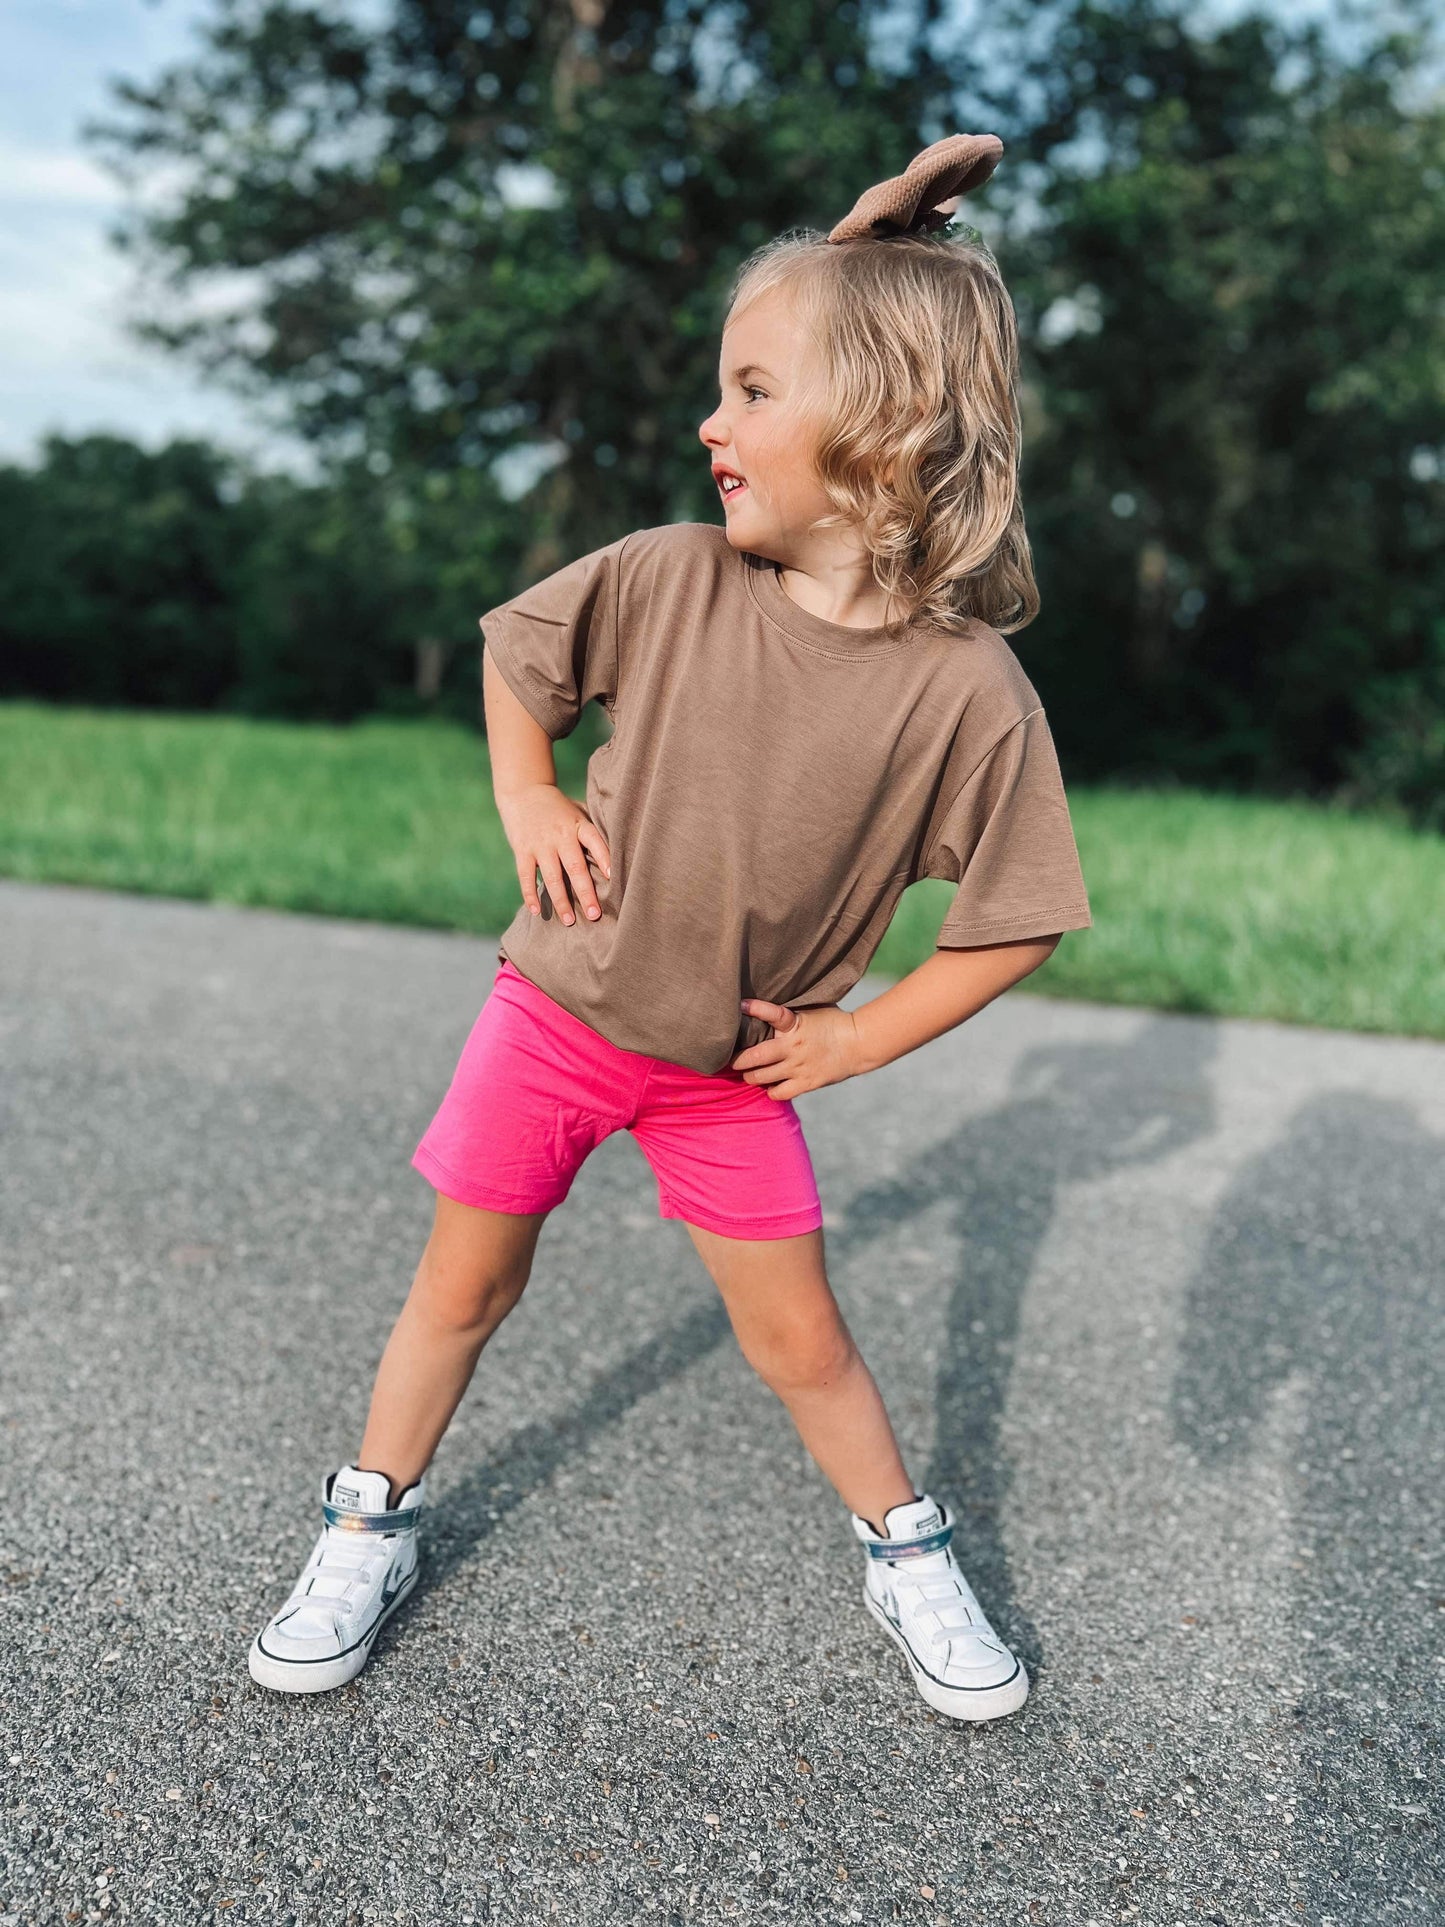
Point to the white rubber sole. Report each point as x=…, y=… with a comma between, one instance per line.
x=323, y=1675
x=958, y=1702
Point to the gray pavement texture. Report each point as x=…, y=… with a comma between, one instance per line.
x=1155, y=1301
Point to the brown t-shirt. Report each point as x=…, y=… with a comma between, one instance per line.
x=772, y=785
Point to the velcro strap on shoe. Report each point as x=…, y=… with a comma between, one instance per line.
x=910, y=1548
x=349, y=1521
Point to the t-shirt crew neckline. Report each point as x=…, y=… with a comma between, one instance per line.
x=800, y=625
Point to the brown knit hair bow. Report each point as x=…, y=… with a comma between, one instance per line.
x=913, y=202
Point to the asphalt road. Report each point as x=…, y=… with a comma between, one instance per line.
x=1156, y=1301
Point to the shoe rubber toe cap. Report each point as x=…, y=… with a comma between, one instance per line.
x=977, y=1661
x=288, y=1641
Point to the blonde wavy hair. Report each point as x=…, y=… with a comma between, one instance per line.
x=915, y=392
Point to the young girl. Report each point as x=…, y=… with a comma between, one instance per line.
x=812, y=707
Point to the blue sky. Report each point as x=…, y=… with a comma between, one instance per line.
x=64, y=292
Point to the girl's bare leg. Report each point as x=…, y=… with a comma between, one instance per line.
x=472, y=1272
x=792, y=1333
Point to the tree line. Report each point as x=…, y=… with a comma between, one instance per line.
x=182, y=577
x=453, y=235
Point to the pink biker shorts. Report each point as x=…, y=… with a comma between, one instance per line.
x=535, y=1090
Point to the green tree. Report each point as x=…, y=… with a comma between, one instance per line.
x=117, y=573
x=180, y=579
x=1230, y=288
x=377, y=188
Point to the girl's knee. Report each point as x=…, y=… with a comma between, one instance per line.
x=802, y=1359
x=464, y=1299
x=475, y=1266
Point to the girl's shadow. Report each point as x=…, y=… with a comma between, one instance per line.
x=1078, y=1112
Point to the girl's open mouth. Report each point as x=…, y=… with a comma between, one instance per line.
x=730, y=485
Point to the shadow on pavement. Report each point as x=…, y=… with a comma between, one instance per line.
x=1077, y=1112
x=1325, y=1263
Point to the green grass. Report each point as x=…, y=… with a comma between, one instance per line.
x=1201, y=903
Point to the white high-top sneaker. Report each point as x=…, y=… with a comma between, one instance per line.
x=915, y=1590
x=361, y=1568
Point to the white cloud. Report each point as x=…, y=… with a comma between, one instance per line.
x=52, y=177
x=69, y=365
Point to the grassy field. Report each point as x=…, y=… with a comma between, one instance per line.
x=1201, y=903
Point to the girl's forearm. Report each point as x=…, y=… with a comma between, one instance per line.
x=519, y=748
x=945, y=989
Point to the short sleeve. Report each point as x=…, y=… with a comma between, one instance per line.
x=1006, y=840
x=556, y=643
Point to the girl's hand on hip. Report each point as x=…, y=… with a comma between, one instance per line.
x=551, y=832
x=808, y=1049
